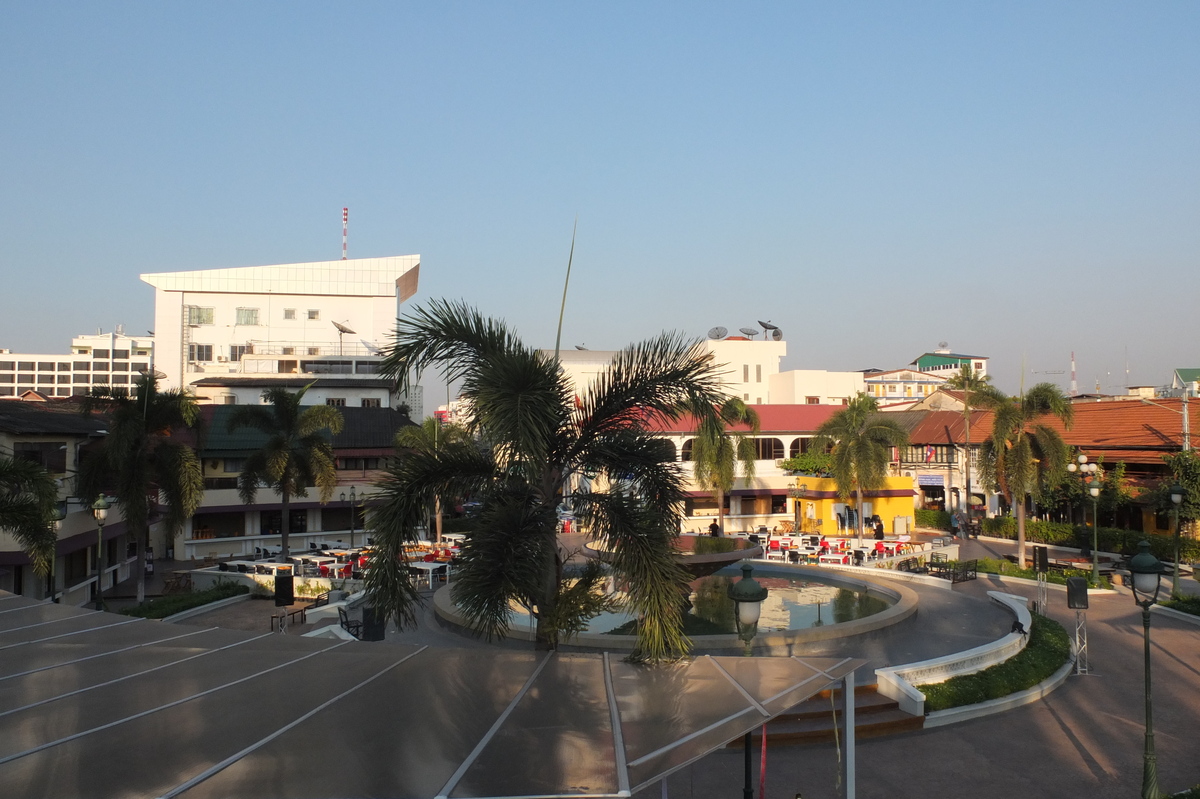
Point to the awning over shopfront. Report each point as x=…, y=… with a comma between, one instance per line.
x=219, y=713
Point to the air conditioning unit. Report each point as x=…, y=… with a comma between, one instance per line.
x=221, y=359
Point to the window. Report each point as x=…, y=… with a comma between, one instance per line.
x=100, y=354
x=63, y=367
x=979, y=366
x=337, y=402
x=314, y=350
x=746, y=397
x=141, y=366
x=200, y=352
x=6, y=378
x=314, y=313
x=685, y=452
x=366, y=368
x=812, y=400
x=289, y=313
x=80, y=378
x=120, y=379
x=27, y=378
x=891, y=389
x=7, y=366
x=370, y=402
x=768, y=449
x=25, y=366
x=122, y=354
x=45, y=367
x=357, y=464
x=234, y=465
x=120, y=366
x=230, y=399
x=758, y=373
x=100, y=379
x=6, y=391
x=81, y=366
x=199, y=316
x=247, y=316
x=288, y=351
x=64, y=379
x=100, y=366
x=236, y=351
x=746, y=373
x=758, y=400
x=50, y=455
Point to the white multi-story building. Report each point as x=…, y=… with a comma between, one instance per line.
x=103, y=359
x=901, y=385
x=231, y=332
x=815, y=387
x=746, y=365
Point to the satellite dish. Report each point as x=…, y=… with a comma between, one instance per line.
x=943, y=345
x=767, y=326
x=578, y=347
x=776, y=334
x=343, y=328
x=717, y=333
x=748, y=331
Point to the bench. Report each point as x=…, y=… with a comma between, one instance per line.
x=177, y=584
x=290, y=615
x=955, y=571
x=912, y=566
x=352, y=626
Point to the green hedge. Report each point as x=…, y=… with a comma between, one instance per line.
x=934, y=519
x=1008, y=569
x=170, y=605
x=1110, y=539
x=1186, y=604
x=1048, y=649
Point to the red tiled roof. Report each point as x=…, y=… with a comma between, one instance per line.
x=947, y=427
x=772, y=419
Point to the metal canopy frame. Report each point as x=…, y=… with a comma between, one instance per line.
x=208, y=712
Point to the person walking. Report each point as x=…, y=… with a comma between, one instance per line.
x=955, y=523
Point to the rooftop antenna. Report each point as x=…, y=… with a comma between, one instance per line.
x=345, y=223
x=563, y=308
x=342, y=330
x=1074, y=385
x=770, y=331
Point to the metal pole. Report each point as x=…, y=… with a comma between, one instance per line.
x=1149, y=760
x=1187, y=432
x=848, y=696
x=747, y=788
x=1175, y=570
x=1096, y=541
x=99, y=564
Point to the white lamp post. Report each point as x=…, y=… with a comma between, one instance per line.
x=1146, y=571
x=1089, y=472
x=100, y=512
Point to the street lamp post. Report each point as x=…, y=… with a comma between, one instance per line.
x=747, y=596
x=352, y=500
x=1176, y=500
x=56, y=520
x=100, y=512
x=797, y=494
x=1091, y=478
x=1146, y=571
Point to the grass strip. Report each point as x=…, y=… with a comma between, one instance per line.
x=1184, y=604
x=170, y=605
x=1048, y=649
x=1009, y=569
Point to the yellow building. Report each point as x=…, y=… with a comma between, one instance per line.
x=815, y=502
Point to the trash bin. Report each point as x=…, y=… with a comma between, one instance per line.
x=373, y=624
x=284, y=587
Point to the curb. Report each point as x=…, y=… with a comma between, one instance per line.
x=940, y=718
x=184, y=615
x=1178, y=615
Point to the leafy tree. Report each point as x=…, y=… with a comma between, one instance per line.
x=298, y=452
x=862, y=440
x=1024, y=455
x=978, y=392
x=817, y=464
x=140, y=460
x=718, y=452
x=428, y=437
x=1185, y=471
x=27, y=499
x=534, y=438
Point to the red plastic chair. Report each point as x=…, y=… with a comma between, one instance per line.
x=324, y=570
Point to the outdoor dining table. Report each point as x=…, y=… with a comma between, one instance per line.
x=454, y=538
x=430, y=567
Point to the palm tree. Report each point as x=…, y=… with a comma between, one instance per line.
x=140, y=461
x=297, y=453
x=717, y=452
x=970, y=382
x=1023, y=453
x=862, y=439
x=430, y=436
x=534, y=438
x=27, y=503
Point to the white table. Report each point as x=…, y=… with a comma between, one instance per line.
x=454, y=538
x=430, y=567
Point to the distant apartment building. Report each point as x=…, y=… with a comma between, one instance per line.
x=901, y=385
x=103, y=359
x=944, y=362
x=815, y=387
x=230, y=333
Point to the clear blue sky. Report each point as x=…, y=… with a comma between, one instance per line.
x=1018, y=179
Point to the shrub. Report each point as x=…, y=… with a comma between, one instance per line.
x=1109, y=539
x=707, y=545
x=996, y=566
x=1186, y=604
x=934, y=519
x=170, y=605
x=1048, y=649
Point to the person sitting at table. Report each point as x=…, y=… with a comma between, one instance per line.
x=824, y=547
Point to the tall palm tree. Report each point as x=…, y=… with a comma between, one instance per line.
x=534, y=438
x=27, y=502
x=139, y=460
x=298, y=452
x=1023, y=453
x=718, y=452
x=862, y=439
x=430, y=436
x=978, y=391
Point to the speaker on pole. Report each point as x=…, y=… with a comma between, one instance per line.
x=1077, y=593
x=285, y=592
x=374, y=624
x=1041, y=560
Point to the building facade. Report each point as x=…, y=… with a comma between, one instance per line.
x=103, y=359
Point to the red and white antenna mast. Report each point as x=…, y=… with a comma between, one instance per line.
x=1074, y=385
x=345, y=222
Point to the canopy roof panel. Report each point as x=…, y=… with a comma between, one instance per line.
x=217, y=713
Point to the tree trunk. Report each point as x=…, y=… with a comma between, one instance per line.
x=437, y=517
x=285, y=526
x=544, y=637
x=720, y=511
x=141, y=567
x=858, y=511
x=1021, y=532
